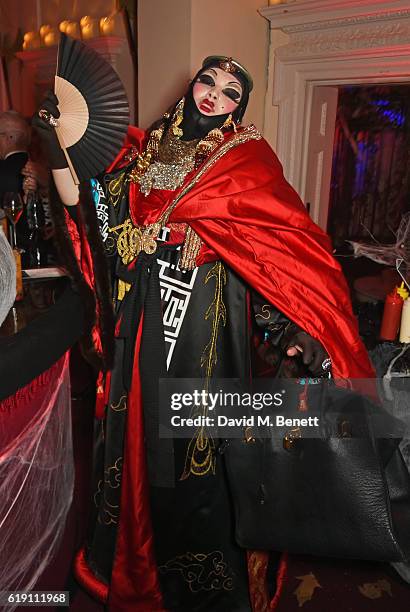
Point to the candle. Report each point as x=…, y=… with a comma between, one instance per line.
x=44, y=30
x=84, y=20
x=107, y=25
x=51, y=38
x=72, y=29
x=63, y=25
x=31, y=40
x=405, y=322
x=89, y=28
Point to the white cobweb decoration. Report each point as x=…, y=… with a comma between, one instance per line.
x=7, y=277
x=395, y=255
x=36, y=479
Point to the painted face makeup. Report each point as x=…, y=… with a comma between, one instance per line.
x=217, y=92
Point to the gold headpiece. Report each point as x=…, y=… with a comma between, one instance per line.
x=229, y=65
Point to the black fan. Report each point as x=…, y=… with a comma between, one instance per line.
x=94, y=109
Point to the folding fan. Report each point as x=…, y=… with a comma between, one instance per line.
x=94, y=109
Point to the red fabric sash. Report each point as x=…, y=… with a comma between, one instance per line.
x=134, y=580
x=246, y=212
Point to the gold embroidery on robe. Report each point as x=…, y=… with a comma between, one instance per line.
x=202, y=571
x=121, y=404
x=115, y=188
x=200, y=455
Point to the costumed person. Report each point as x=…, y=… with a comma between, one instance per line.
x=204, y=240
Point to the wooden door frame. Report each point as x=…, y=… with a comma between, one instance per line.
x=331, y=43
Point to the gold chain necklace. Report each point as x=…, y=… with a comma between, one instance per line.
x=134, y=239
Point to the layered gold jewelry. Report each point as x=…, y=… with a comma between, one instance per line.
x=207, y=145
x=190, y=250
x=131, y=240
x=178, y=117
x=142, y=164
x=168, y=159
x=229, y=123
x=174, y=160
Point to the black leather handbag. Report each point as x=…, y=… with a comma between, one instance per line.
x=342, y=494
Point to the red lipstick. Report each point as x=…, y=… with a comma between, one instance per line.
x=207, y=106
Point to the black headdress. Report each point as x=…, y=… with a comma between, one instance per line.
x=196, y=125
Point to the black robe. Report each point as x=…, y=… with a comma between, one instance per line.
x=199, y=563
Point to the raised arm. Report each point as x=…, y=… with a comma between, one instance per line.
x=44, y=122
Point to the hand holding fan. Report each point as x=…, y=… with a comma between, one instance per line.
x=94, y=109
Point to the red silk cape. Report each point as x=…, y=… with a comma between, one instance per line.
x=249, y=216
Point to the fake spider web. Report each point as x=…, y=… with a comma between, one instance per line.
x=36, y=477
x=395, y=255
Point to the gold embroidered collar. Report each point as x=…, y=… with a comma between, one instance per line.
x=131, y=240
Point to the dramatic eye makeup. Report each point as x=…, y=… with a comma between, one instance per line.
x=233, y=94
x=206, y=79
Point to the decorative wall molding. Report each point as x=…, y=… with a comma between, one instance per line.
x=319, y=14
x=363, y=36
x=316, y=26
x=347, y=22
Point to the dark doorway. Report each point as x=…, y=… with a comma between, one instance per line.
x=370, y=184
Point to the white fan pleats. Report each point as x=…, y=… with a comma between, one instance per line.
x=74, y=112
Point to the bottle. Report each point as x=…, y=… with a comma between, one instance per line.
x=19, y=276
x=405, y=322
x=392, y=314
x=35, y=220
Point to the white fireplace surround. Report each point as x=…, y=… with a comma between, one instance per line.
x=331, y=42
